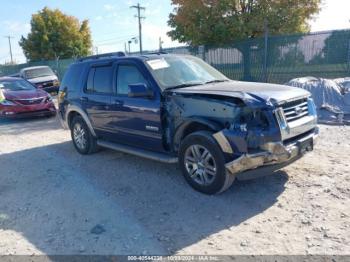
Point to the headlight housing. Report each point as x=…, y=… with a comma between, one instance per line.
x=7, y=103
x=48, y=98
x=249, y=119
x=311, y=107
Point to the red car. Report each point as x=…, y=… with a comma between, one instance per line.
x=19, y=98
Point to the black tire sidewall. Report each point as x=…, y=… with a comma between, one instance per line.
x=79, y=120
x=205, y=139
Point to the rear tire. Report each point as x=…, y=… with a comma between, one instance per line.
x=84, y=142
x=203, y=164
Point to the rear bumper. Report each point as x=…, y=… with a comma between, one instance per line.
x=274, y=154
x=63, y=123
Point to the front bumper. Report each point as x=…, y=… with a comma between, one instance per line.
x=274, y=154
x=27, y=111
x=51, y=89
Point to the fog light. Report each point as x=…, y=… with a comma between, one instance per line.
x=9, y=113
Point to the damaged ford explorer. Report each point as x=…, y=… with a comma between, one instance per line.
x=179, y=109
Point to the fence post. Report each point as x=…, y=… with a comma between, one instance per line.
x=58, y=67
x=201, y=51
x=349, y=56
x=266, y=29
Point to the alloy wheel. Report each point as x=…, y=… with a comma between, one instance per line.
x=79, y=136
x=200, y=164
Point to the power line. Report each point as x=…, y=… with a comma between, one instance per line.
x=113, y=39
x=139, y=8
x=113, y=42
x=9, y=38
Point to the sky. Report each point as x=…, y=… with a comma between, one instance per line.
x=113, y=22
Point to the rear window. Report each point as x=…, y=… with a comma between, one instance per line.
x=100, y=80
x=72, y=76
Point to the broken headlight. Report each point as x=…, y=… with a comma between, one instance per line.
x=250, y=119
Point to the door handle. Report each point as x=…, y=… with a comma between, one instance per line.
x=84, y=99
x=118, y=102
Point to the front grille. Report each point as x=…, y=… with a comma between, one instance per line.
x=45, y=84
x=28, y=102
x=296, y=109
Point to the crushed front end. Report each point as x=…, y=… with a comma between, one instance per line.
x=276, y=134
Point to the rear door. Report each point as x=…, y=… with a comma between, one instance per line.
x=97, y=98
x=136, y=119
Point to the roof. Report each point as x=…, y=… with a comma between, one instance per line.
x=121, y=56
x=33, y=67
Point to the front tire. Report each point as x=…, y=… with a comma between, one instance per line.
x=203, y=164
x=84, y=142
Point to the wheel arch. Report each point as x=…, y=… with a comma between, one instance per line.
x=192, y=125
x=76, y=111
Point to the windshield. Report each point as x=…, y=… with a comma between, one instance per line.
x=182, y=71
x=38, y=72
x=16, y=85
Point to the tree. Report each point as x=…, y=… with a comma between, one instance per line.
x=56, y=35
x=223, y=22
x=337, y=48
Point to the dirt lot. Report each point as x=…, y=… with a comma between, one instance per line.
x=54, y=201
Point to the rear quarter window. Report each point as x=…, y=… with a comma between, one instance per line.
x=72, y=77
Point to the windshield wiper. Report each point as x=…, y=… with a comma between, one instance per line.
x=184, y=85
x=216, y=81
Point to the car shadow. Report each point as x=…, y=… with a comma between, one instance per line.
x=32, y=124
x=54, y=197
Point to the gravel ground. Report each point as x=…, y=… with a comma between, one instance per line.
x=55, y=201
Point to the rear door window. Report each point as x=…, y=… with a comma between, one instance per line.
x=100, y=80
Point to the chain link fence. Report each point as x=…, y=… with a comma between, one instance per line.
x=275, y=59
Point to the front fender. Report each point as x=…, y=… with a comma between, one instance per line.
x=181, y=129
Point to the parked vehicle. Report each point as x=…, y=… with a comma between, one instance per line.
x=19, y=98
x=42, y=77
x=177, y=108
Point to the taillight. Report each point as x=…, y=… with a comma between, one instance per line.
x=61, y=96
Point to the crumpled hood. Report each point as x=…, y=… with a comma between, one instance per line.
x=26, y=94
x=262, y=92
x=42, y=79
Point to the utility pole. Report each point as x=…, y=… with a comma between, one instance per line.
x=160, y=44
x=139, y=8
x=129, y=42
x=9, y=38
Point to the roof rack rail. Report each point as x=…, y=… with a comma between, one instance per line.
x=107, y=55
x=156, y=53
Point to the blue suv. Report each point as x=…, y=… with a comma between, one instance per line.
x=177, y=108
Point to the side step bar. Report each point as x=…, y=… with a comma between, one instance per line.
x=139, y=152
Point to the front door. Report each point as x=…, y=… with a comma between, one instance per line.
x=137, y=119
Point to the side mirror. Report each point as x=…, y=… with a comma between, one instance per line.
x=140, y=90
